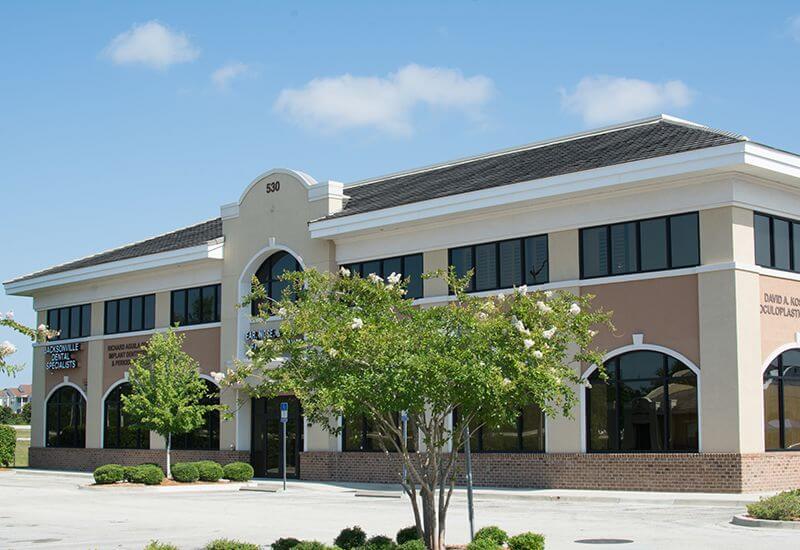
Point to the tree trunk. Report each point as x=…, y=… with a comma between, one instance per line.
x=169, y=446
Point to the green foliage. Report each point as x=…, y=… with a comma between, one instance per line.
x=413, y=544
x=7, y=416
x=313, y=545
x=25, y=413
x=350, y=537
x=784, y=506
x=8, y=444
x=238, y=471
x=526, y=541
x=483, y=544
x=40, y=334
x=406, y=534
x=155, y=545
x=149, y=474
x=209, y=470
x=492, y=533
x=229, y=544
x=109, y=473
x=380, y=542
x=185, y=472
x=285, y=543
x=128, y=472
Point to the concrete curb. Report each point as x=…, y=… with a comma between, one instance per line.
x=200, y=488
x=51, y=473
x=747, y=521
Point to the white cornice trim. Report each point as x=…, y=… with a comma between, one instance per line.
x=123, y=335
x=208, y=251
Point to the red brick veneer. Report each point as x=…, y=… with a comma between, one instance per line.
x=88, y=459
x=690, y=472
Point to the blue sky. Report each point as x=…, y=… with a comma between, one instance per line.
x=120, y=121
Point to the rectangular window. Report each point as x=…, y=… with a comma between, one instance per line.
x=409, y=267
x=70, y=322
x=503, y=264
x=777, y=242
x=194, y=306
x=130, y=314
x=667, y=242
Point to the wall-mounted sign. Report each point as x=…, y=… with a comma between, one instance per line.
x=252, y=335
x=120, y=355
x=273, y=187
x=780, y=305
x=59, y=356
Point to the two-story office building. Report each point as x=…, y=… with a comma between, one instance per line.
x=690, y=235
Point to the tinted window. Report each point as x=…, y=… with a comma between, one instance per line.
x=195, y=305
x=624, y=246
x=763, y=240
x=410, y=267
x=137, y=313
x=461, y=260
x=503, y=264
x=594, y=244
x=111, y=317
x=510, y=263
x=149, y=312
x=178, y=307
x=485, y=266
x=782, y=402
x=70, y=322
x=74, y=322
x=536, y=262
x=781, y=246
x=685, y=239
x=654, y=244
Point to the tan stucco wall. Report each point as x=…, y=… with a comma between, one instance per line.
x=431, y=261
x=563, y=260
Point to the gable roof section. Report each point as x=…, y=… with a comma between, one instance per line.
x=193, y=235
x=636, y=141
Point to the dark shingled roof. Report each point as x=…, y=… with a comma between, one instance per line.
x=645, y=141
x=182, y=238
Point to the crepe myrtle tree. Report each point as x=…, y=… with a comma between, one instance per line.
x=166, y=389
x=39, y=334
x=356, y=347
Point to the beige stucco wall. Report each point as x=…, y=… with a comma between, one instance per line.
x=563, y=261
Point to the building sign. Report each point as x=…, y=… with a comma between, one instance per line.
x=780, y=305
x=251, y=336
x=121, y=354
x=60, y=356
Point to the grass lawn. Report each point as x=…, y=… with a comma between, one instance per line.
x=21, y=455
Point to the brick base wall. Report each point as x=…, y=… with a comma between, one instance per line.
x=86, y=460
x=691, y=472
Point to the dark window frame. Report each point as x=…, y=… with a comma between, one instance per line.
x=147, y=324
x=638, y=233
x=794, y=263
x=365, y=445
x=65, y=396
x=185, y=292
x=269, y=263
x=84, y=313
x=358, y=267
x=477, y=435
x=779, y=379
x=211, y=441
x=142, y=436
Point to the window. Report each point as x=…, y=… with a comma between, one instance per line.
x=410, y=267
x=206, y=437
x=503, y=264
x=194, y=306
x=70, y=322
x=66, y=418
x=777, y=242
x=669, y=242
x=130, y=314
x=648, y=403
x=269, y=273
x=117, y=430
x=782, y=402
x=524, y=434
x=360, y=434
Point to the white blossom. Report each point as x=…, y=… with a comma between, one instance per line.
x=374, y=278
x=482, y=316
x=403, y=292
x=393, y=278
x=501, y=297
x=528, y=343
x=333, y=352
x=574, y=309
x=520, y=326
x=282, y=312
x=218, y=376
x=41, y=328
x=548, y=293
x=357, y=323
x=249, y=353
x=587, y=384
x=592, y=333
x=344, y=272
x=1, y=316
x=10, y=315
x=549, y=332
x=538, y=354
x=7, y=348
x=523, y=289
x=544, y=308
x=506, y=381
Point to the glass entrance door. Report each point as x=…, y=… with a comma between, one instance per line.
x=266, y=451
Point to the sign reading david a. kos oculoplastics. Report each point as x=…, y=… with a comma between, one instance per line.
x=780, y=305
x=60, y=356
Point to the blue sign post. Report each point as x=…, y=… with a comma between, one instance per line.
x=284, y=420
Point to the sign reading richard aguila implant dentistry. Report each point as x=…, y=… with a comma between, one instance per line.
x=120, y=354
x=59, y=356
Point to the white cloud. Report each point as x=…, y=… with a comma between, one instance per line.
x=794, y=27
x=603, y=99
x=223, y=76
x=387, y=104
x=151, y=44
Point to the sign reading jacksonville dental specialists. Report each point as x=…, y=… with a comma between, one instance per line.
x=60, y=356
x=780, y=305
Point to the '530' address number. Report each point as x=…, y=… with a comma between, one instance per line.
x=273, y=187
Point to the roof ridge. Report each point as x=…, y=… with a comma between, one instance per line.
x=109, y=250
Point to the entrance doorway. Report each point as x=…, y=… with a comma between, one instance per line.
x=266, y=450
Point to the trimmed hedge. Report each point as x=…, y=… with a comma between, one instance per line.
x=109, y=473
x=350, y=537
x=492, y=533
x=185, y=472
x=209, y=470
x=155, y=545
x=380, y=542
x=8, y=445
x=483, y=544
x=238, y=471
x=784, y=506
x=313, y=545
x=285, y=543
x=406, y=534
x=149, y=474
x=413, y=544
x=228, y=544
x=526, y=541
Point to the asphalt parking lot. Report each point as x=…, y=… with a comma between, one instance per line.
x=48, y=511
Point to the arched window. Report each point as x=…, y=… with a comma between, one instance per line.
x=782, y=402
x=66, y=418
x=206, y=437
x=117, y=430
x=269, y=274
x=648, y=403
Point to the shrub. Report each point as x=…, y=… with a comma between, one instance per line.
x=209, y=470
x=109, y=473
x=483, y=544
x=351, y=537
x=238, y=471
x=526, y=541
x=312, y=545
x=8, y=444
x=285, y=543
x=155, y=545
x=127, y=474
x=413, y=544
x=185, y=472
x=492, y=533
x=228, y=544
x=380, y=542
x=406, y=534
x=149, y=474
x=784, y=506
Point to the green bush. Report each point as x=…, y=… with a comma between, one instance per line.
x=228, y=544
x=155, y=545
x=8, y=444
x=380, y=542
x=413, y=544
x=285, y=543
x=483, y=544
x=209, y=470
x=149, y=474
x=406, y=534
x=185, y=472
x=350, y=537
x=526, y=541
x=784, y=506
x=238, y=471
x=492, y=533
x=109, y=473
x=127, y=474
x=312, y=545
